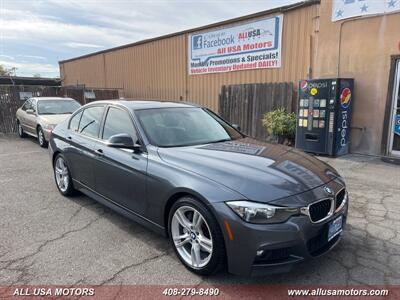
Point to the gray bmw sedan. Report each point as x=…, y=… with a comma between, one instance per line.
x=225, y=201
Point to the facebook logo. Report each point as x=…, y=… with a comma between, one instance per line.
x=197, y=42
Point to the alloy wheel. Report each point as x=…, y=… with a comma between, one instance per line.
x=192, y=237
x=62, y=174
x=41, y=137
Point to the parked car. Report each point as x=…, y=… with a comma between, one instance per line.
x=38, y=116
x=221, y=197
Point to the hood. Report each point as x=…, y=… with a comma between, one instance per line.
x=54, y=119
x=259, y=171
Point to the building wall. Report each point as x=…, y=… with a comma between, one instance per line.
x=360, y=48
x=158, y=69
x=312, y=46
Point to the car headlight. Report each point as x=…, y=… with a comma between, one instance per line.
x=260, y=213
x=49, y=126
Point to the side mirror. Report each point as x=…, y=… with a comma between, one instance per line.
x=236, y=126
x=123, y=140
x=30, y=111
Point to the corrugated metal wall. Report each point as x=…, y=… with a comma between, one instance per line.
x=158, y=69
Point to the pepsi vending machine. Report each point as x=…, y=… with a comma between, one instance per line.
x=324, y=115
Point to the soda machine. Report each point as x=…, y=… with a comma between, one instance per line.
x=324, y=115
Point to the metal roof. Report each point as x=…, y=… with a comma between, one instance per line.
x=19, y=80
x=280, y=9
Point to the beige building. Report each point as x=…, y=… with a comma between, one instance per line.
x=312, y=46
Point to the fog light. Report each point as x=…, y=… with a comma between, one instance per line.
x=259, y=252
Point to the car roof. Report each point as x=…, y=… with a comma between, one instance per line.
x=135, y=104
x=52, y=98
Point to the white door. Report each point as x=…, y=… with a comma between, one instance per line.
x=394, y=142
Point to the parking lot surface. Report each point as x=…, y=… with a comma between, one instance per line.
x=46, y=238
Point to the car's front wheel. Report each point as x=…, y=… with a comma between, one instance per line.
x=41, y=139
x=63, y=177
x=196, y=237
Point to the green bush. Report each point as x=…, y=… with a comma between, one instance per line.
x=280, y=124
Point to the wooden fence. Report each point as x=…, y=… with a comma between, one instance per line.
x=245, y=104
x=10, y=99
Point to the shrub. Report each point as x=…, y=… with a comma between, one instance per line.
x=280, y=124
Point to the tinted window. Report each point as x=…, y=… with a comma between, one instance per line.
x=90, y=121
x=118, y=121
x=57, y=107
x=173, y=127
x=74, y=123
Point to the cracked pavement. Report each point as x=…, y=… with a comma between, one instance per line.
x=46, y=238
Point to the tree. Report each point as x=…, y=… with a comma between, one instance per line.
x=7, y=72
x=3, y=71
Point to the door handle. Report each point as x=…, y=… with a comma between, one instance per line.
x=99, y=152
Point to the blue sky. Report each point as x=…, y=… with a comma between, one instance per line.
x=35, y=35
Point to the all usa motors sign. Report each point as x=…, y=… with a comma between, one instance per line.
x=255, y=45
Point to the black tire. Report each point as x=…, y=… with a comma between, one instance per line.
x=218, y=256
x=41, y=139
x=21, y=131
x=70, y=190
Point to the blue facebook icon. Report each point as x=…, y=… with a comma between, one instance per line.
x=197, y=42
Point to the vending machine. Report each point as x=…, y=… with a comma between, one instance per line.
x=324, y=115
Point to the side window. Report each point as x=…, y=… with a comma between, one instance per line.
x=118, y=121
x=90, y=121
x=33, y=105
x=26, y=105
x=74, y=122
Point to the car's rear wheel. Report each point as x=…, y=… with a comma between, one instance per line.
x=196, y=237
x=63, y=176
x=41, y=139
x=21, y=132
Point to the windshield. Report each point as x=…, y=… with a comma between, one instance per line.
x=174, y=127
x=57, y=107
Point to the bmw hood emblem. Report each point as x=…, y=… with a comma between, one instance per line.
x=328, y=190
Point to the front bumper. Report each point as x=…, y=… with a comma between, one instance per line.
x=47, y=134
x=284, y=244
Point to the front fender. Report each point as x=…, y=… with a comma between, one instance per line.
x=165, y=181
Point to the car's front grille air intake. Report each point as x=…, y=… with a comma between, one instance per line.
x=320, y=210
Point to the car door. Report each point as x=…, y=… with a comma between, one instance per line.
x=83, y=131
x=31, y=117
x=120, y=174
x=23, y=114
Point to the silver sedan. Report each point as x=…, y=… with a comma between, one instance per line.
x=38, y=116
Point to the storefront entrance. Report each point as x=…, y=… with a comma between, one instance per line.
x=394, y=136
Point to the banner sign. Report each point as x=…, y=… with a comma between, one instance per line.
x=343, y=9
x=25, y=95
x=255, y=45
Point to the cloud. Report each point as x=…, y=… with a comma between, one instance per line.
x=82, y=45
x=6, y=56
x=23, y=26
x=54, y=30
x=27, y=69
x=32, y=56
